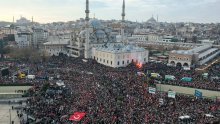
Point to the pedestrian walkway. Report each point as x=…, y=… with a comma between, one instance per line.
x=7, y=114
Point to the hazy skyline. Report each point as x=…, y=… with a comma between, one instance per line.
x=44, y=11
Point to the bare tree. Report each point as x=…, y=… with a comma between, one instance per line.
x=27, y=54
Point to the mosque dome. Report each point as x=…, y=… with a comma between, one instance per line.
x=151, y=20
x=108, y=30
x=128, y=48
x=100, y=34
x=95, y=23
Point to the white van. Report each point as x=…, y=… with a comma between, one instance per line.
x=30, y=76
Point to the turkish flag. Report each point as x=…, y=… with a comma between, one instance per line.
x=77, y=116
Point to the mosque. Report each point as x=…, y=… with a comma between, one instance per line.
x=95, y=41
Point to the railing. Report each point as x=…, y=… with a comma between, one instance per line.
x=188, y=90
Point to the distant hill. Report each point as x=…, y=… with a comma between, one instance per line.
x=3, y=23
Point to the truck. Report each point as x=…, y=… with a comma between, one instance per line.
x=30, y=76
x=170, y=77
x=186, y=79
x=155, y=75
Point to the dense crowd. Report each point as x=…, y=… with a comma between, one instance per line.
x=212, y=82
x=109, y=95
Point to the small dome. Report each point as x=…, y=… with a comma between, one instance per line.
x=100, y=34
x=128, y=48
x=108, y=30
x=96, y=24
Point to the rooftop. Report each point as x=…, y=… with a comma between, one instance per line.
x=56, y=40
x=195, y=50
x=207, y=52
x=120, y=48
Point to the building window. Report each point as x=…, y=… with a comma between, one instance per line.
x=111, y=62
x=104, y=60
x=145, y=59
x=128, y=61
x=100, y=60
x=123, y=62
x=132, y=60
x=107, y=61
x=97, y=58
x=118, y=63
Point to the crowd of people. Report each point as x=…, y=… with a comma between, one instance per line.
x=113, y=96
x=212, y=82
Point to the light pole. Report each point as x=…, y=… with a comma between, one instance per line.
x=10, y=115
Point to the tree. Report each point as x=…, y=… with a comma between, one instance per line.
x=27, y=54
x=194, y=39
x=3, y=49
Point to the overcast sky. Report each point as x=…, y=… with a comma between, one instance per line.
x=141, y=10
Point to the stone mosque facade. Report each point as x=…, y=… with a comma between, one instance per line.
x=92, y=40
x=98, y=36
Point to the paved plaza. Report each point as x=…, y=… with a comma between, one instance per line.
x=5, y=114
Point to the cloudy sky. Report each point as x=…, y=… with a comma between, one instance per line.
x=136, y=10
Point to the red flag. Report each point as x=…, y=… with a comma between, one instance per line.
x=77, y=116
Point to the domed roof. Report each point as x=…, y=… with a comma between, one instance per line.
x=100, y=34
x=96, y=24
x=108, y=30
x=151, y=20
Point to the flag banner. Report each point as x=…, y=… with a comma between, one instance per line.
x=140, y=74
x=152, y=90
x=161, y=102
x=198, y=94
x=77, y=116
x=171, y=94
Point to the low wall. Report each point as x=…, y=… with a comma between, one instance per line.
x=10, y=95
x=14, y=89
x=188, y=91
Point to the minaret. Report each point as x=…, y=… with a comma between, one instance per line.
x=86, y=54
x=157, y=19
x=123, y=11
x=123, y=20
x=32, y=21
